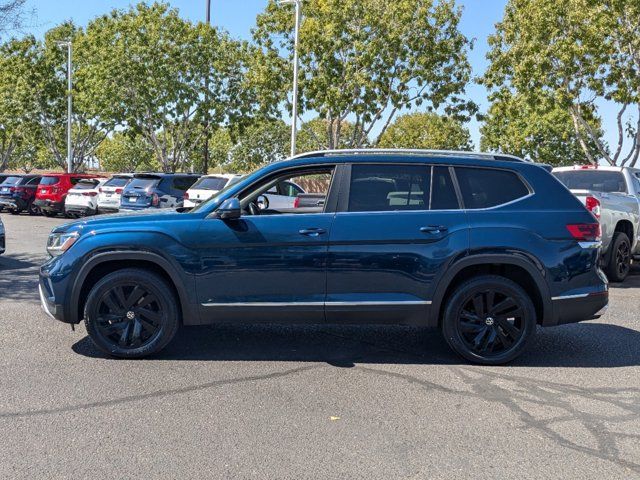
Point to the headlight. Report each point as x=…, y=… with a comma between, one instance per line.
x=59, y=243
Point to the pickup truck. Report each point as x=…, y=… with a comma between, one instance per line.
x=612, y=195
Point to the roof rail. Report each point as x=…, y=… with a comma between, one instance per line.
x=408, y=151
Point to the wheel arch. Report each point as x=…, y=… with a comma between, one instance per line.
x=521, y=270
x=104, y=263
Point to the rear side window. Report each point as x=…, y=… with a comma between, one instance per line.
x=183, y=183
x=485, y=188
x=49, y=180
x=597, y=180
x=379, y=188
x=443, y=193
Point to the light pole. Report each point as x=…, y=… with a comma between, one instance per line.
x=294, y=120
x=69, y=104
x=205, y=166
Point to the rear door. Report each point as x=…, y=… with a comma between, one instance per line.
x=397, y=229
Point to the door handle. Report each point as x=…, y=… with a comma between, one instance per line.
x=434, y=229
x=312, y=232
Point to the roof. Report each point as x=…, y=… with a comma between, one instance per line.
x=417, y=152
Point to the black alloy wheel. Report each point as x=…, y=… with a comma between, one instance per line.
x=131, y=313
x=619, y=264
x=489, y=320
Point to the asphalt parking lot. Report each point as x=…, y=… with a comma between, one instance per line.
x=303, y=402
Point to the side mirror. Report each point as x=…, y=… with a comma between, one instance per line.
x=229, y=210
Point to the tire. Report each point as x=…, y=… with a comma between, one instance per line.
x=471, y=320
x=33, y=209
x=126, y=330
x=15, y=211
x=619, y=263
x=48, y=213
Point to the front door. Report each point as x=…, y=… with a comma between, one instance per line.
x=270, y=264
x=396, y=231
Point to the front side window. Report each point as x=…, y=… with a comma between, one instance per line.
x=294, y=193
x=486, y=188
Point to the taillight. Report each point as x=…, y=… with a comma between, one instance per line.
x=89, y=194
x=593, y=205
x=119, y=190
x=155, y=200
x=186, y=195
x=296, y=202
x=55, y=190
x=585, y=232
x=12, y=189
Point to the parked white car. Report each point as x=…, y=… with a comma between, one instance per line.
x=281, y=196
x=82, y=199
x=207, y=187
x=110, y=193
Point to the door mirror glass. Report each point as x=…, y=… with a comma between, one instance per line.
x=230, y=209
x=263, y=202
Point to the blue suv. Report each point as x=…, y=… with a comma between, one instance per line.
x=485, y=247
x=156, y=190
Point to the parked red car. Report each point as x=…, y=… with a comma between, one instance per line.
x=53, y=189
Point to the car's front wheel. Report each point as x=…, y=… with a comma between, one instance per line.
x=131, y=313
x=489, y=320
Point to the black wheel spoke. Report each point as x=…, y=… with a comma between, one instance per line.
x=124, y=336
x=147, y=300
x=470, y=326
x=502, y=306
x=510, y=330
x=150, y=315
x=478, y=305
x=112, y=305
x=136, y=294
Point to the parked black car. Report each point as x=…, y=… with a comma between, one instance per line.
x=484, y=247
x=18, y=192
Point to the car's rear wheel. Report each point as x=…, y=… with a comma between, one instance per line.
x=16, y=211
x=33, y=209
x=48, y=213
x=489, y=320
x=619, y=258
x=131, y=313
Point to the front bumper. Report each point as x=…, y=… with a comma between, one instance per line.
x=49, y=205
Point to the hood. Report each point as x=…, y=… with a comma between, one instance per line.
x=122, y=219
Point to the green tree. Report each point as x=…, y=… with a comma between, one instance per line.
x=542, y=132
x=317, y=134
x=155, y=67
x=261, y=143
x=366, y=60
x=427, y=130
x=125, y=153
x=581, y=53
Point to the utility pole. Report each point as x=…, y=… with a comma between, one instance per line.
x=294, y=119
x=205, y=166
x=69, y=104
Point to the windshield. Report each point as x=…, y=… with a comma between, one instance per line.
x=117, y=182
x=143, y=183
x=11, y=180
x=210, y=183
x=49, y=180
x=596, y=180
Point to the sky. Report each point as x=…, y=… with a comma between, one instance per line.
x=238, y=16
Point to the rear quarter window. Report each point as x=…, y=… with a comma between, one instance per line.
x=486, y=188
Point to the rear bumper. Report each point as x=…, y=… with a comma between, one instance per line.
x=49, y=205
x=578, y=308
x=80, y=209
x=13, y=203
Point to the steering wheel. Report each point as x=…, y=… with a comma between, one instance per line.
x=253, y=208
